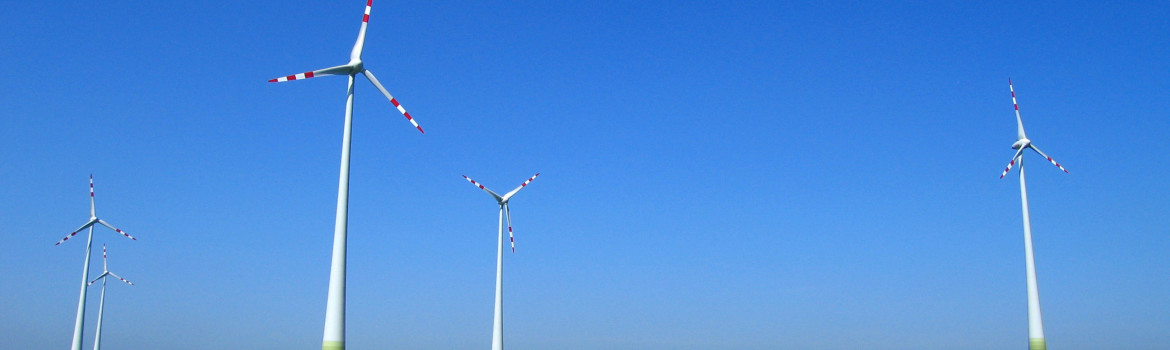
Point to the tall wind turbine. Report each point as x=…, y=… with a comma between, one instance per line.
x=498, y=324
x=334, y=338
x=93, y=219
x=97, y=340
x=1035, y=324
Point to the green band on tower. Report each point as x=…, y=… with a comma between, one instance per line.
x=340, y=345
x=1037, y=344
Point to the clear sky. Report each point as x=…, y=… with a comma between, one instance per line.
x=714, y=175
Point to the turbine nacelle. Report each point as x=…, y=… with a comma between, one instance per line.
x=507, y=196
x=1024, y=142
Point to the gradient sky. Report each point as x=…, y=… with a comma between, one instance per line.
x=714, y=175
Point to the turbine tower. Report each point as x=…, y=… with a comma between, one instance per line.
x=93, y=219
x=97, y=340
x=1035, y=324
x=498, y=324
x=334, y=338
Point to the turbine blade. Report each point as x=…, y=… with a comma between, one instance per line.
x=1019, y=122
x=103, y=275
x=476, y=184
x=1012, y=163
x=508, y=214
x=120, y=278
x=105, y=268
x=356, y=54
x=518, y=188
x=1050, y=160
x=104, y=223
x=370, y=75
x=337, y=70
x=92, y=208
x=71, y=234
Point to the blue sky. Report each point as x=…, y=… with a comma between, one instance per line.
x=714, y=175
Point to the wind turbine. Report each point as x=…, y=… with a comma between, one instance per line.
x=93, y=219
x=334, y=338
x=498, y=324
x=1035, y=324
x=97, y=340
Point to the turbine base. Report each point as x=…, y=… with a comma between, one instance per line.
x=1037, y=344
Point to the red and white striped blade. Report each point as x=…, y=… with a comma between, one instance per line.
x=370, y=75
x=105, y=267
x=92, y=208
x=104, y=223
x=366, y=17
x=476, y=184
x=120, y=278
x=518, y=188
x=74, y=233
x=1012, y=163
x=1019, y=121
x=508, y=214
x=338, y=70
x=1050, y=160
x=356, y=54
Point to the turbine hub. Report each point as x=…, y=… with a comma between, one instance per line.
x=1021, y=143
x=356, y=66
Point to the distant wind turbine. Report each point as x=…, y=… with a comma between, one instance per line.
x=97, y=340
x=334, y=337
x=93, y=219
x=498, y=324
x=1035, y=324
